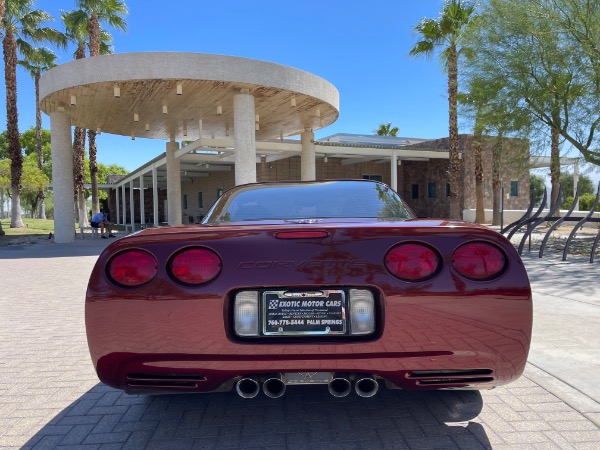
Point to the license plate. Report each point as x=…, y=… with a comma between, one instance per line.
x=311, y=312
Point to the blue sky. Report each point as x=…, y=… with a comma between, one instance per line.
x=360, y=47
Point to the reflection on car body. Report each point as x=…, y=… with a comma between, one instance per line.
x=331, y=282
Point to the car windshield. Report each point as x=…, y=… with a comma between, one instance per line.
x=318, y=200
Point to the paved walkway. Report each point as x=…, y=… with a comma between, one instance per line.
x=50, y=396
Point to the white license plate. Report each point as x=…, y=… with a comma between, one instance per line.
x=310, y=312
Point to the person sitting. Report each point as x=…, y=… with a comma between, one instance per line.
x=101, y=221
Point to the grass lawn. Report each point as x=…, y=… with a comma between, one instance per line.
x=32, y=226
x=34, y=229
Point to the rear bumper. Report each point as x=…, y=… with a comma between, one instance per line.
x=446, y=341
x=156, y=373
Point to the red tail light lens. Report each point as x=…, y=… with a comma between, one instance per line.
x=412, y=262
x=195, y=265
x=479, y=261
x=132, y=268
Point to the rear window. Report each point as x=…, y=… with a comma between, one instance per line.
x=282, y=201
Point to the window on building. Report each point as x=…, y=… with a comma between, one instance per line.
x=432, y=189
x=514, y=188
x=219, y=192
x=185, y=201
x=415, y=191
x=200, y=204
x=447, y=189
x=373, y=177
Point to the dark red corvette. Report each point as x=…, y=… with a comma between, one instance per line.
x=328, y=282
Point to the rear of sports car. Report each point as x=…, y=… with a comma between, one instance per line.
x=354, y=304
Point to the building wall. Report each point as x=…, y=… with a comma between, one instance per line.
x=282, y=170
x=430, y=176
x=514, y=168
x=148, y=205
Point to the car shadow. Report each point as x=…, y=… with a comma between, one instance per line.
x=305, y=417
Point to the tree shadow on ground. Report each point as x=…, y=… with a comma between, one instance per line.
x=305, y=417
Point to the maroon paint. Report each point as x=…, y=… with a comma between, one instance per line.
x=444, y=323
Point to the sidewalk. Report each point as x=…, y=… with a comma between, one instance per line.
x=50, y=396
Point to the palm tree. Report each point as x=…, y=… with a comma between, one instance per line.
x=78, y=32
x=386, y=130
x=2, y=233
x=39, y=61
x=20, y=24
x=93, y=12
x=447, y=32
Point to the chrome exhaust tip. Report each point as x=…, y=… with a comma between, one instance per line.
x=339, y=386
x=247, y=388
x=274, y=387
x=366, y=387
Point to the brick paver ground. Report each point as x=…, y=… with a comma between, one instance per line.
x=50, y=396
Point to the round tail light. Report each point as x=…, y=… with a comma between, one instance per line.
x=195, y=265
x=132, y=268
x=412, y=262
x=479, y=260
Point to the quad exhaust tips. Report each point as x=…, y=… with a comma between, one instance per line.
x=366, y=386
x=274, y=386
x=247, y=388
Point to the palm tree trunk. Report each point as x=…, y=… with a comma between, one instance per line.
x=479, y=209
x=93, y=171
x=79, y=161
x=94, y=31
x=38, y=140
x=2, y=233
x=78, y=174
x=9, y=46
x=554, y=164
x=454, y=156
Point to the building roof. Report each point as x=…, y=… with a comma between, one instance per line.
x=165, y=95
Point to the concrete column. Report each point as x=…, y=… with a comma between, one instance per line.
x=394, y=170
x=174, y=184
x=155, y=195
x=244, y=138
x=118, y=205
x=131, y=205
x=124, y=203
x=62, y=178
x=263, y=170
x=142, y=202
x=307, y=158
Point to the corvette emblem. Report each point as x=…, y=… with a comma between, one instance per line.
x=307, y=376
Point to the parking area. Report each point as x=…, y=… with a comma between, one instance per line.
x=50, y=396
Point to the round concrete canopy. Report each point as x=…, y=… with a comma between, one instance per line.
x=164, y=95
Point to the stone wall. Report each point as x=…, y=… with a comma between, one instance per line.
x=514, y=167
